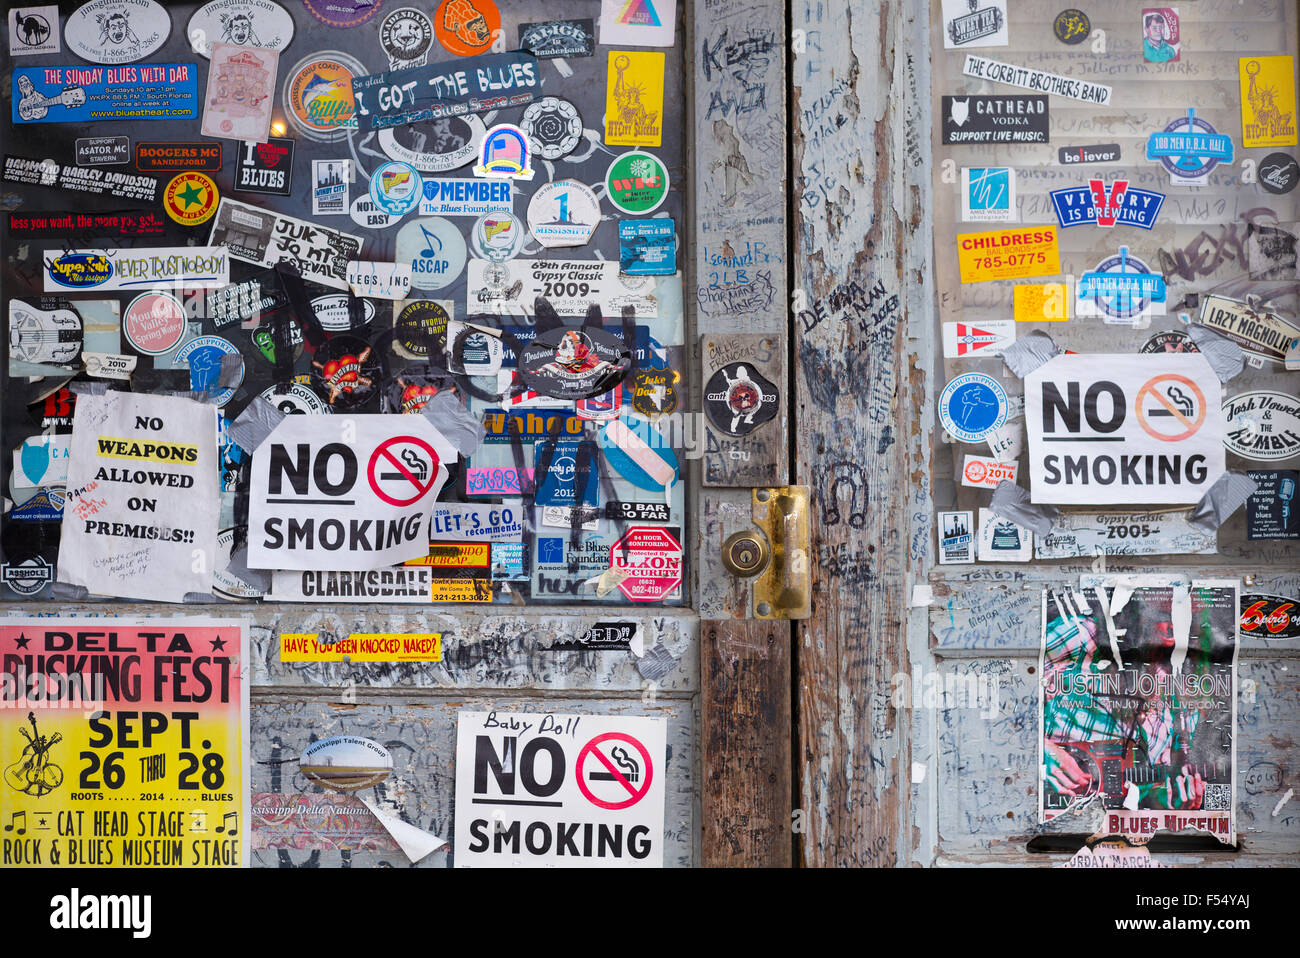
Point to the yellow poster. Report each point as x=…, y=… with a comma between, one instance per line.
x=1008, y=254
x=1049, y=303
x=124, y=743
x=362, y=647
x=1267, y=101
x=634, y=99
x=462, y=590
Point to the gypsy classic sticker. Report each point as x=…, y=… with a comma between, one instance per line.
x=1122, y=289
x=505, y=153
x=435, y=249
x=1008, y=254
x=995, y=119
x=318, y=95
x=972, y=406
x=245, y=23
x=1263, y=426
x=636, y=182
x=406, y=35
x=396, y=188
x=265, y=167
x=553, y=127
x=1279, y=173
x=1072, y=26
x=117, y=31
x=1189, y=149
x=467, y=27
x=574, y=363
x=191, y=198
x=564, y=213
x=1162, y=38
x=634, y=99
x=33, y=30
x=204, y=355
x=347, y=370
x=738, y=399
x=154, y=323
x=1267, y=101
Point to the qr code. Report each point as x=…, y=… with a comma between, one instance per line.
x=1218, y=798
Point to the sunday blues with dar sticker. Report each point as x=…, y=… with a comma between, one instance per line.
x=147, y=91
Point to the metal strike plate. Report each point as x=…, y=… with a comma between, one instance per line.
x=783, y=590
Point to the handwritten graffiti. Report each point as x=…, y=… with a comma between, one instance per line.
x=741, y=68
x=1204, y=255
x=847, y=479
x=741, y=297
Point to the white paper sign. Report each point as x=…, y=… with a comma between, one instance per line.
x=345, y=493
x=562, y=791
x=641, y=23
x=140, y=519
x=1124, y=428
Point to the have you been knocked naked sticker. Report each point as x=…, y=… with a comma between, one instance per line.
x=124, y=743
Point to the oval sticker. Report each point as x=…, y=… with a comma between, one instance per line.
x=245, y=23
x=1263, y=426
x=117, y=31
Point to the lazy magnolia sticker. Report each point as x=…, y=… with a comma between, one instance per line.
x=117, y=31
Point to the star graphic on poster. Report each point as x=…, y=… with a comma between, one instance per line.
x=190, y=195
x=21, y=641
x=218, y=644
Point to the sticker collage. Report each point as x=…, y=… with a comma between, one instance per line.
x=343, y=301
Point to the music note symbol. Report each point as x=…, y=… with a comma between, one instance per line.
x=14, y=818
x=234, y=829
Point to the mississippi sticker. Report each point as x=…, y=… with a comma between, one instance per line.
x=564, y=213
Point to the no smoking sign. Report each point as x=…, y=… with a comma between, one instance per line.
x=1171, y=408
x=614, y=771
x=402, y=470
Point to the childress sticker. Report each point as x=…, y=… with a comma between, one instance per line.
x=406, y=35
x=1263, y=426
x=346, y=370
x=497, y=236
x=318, y=95
x=467, y=27
x=574, y=363
x=117, y=31
x=435, y=146
x=343, y=13
x=738, y=400
x=1279, y=173
x=972, y=406
x=1072, y=26
x=553, y=127
x=564, y=213
x=636, y=182
x=435, y=249
x=421, y=328
x=246, y=23
x=191, y=198
x=332, y=312
x=504, y=154
x=296, y=400
x=396, y=188
x=203, y=355
x=640, y=453
x=154, y=323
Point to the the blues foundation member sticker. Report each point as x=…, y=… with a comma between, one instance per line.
x=73, y=94
x=1189, y=149
x=574, y=363
x=738, y=399
x=1279, y=173
x=1008, y=254
x=463, y=196
x=1102, y=204
x=1122, y=289
x=972, y=406
x=995, y=119
x=1072, y=26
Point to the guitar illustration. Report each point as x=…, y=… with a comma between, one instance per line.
x=34, y=106
x=34, y=773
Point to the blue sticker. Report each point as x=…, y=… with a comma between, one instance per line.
x=1100, y=205
x=490, y=81
x=972, y=406
x=571, y=469
x=203, y=355
x=1189, y=148
x=152, y=91
x=550, y=551
x=509, y=561
x=646, y=444
x=533, y=424
x=647, y=247
x=45, y=506
x=1122, y=287
x=396, y=188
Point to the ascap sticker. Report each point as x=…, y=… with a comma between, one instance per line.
x=154, y=323
x=995, y=119
x=245, y=23
x=563, y=213
x=956, y=537
x=1162, y=39
x=435, y=249
x=1008, y=254
x=195, y=267
x=1085, y=535
x=362, y=647
x=467, y=27
x=33, y=30
x=396, y=188
x=980, y=472
x=1279, y=173
x=642, y=23
x=647, y=247
x=117, y=31
x=1122, y=290
x=988, y=195
x=1123, y=428
x=263, y=238
x=318, y=97
x=1272, y=617
x=553, y=127
x=974, y=23
x=1001, y=540
x=1099, y=204
x=191, y=198
x=172, y=157
x=738, y=399
x=971, y=406
x=457, y=522
x=558, y=38
x=636, y=183
x=104, y=151
x=1189, y=149
x=406, y=35
x=435, y=146
x=241, y=93
x=1048, y=303
x=343, y=13
x=126, y=186
x=1257, y=331
x=1037, y=80
x=462, y=196
x=570, y=286
x=62, y=224
x=1072, y=26
x=438, y=91
x=155, y=91
x=265, y=167
x=406, y=584
x=987, y=339
x=1267, y=101
x=1088, y=155
x=1272, y=511
x=634, y=99
x=329, y=187
x=1262, y=426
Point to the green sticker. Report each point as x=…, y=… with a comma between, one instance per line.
x=637, y=182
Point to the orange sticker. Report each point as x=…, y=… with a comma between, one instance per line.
x=191, y=198
x=467, y=27
x=1049, y=303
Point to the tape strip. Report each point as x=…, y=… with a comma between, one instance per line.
x=1225, y=356
x=232, y=370
x=1222, y=499
x=1029, y=352
x=87, y=388
x=656, y=663
x=254, y=424
x=640, y=453
x=1012, y=502
x=65, y=590
x=450, y=417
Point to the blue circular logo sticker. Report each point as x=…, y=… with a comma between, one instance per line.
x=204, y=355
x=972, y=406
x=396, y=188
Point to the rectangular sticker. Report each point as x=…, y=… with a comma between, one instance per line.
x=634, y=99
x=1047, y=303
x=362, y=647
x=103, y=150
x=602, y=635
x=454, y=555
x=181, y=267
x=491, y=81
x=119, y=223
x=42, y=461
x=1001, y=540
x=241, y=92
x=640, y=23
x=1008, y=254
x=263, y=238
x=1267, y=101
x=1088, y=155
x=463, y=196
x=988, y=194
x=570, y=477
x=460, y=522
x=974, y=23
x=329, y=821
x=33, y=30
x=1039, y=81
x=570, y=286
x=531, y=424
x=176, y=157
x=379, y=280
x=637, y=511
x=87, y=94
x=509, y=562
x=1005, y=118
x=647, y=247
x=1259, y=332
x=1088, y=534
x=265, y=167
x=1272, y=511
x=407, y=584
x=461, y=590
x=980, y=472
x=966, y=340
x=122, y=186
x=329, y=190
x=1099, y=204
x=956, y=537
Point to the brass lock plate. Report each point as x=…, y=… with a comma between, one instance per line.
x=783, y=590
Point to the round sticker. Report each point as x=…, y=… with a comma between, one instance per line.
x=636, y=182
x=420, y=328
x=411, y=390
x=474, y=350
x=564, y=213
x=332, y=312
x=203, y=355
x=435, y=249
x=497, y=236
x=1072, y=26
x=396, y=187
x=346, y=370
x=553, y=127
x=117, y=31
x=343, y=13
x=296, y=400
x=191, y=198
x=318, y=95
x=738, y=400
x=1172, y=341
x=467, y=27
x=1122, y=305
x=972, y=406
x=366, y=214
x=574, y=363
x=1279, y=173
x=435, y=146
x=406, y=35
x=1262, y=425
x=154, y=323
x=245, y=23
